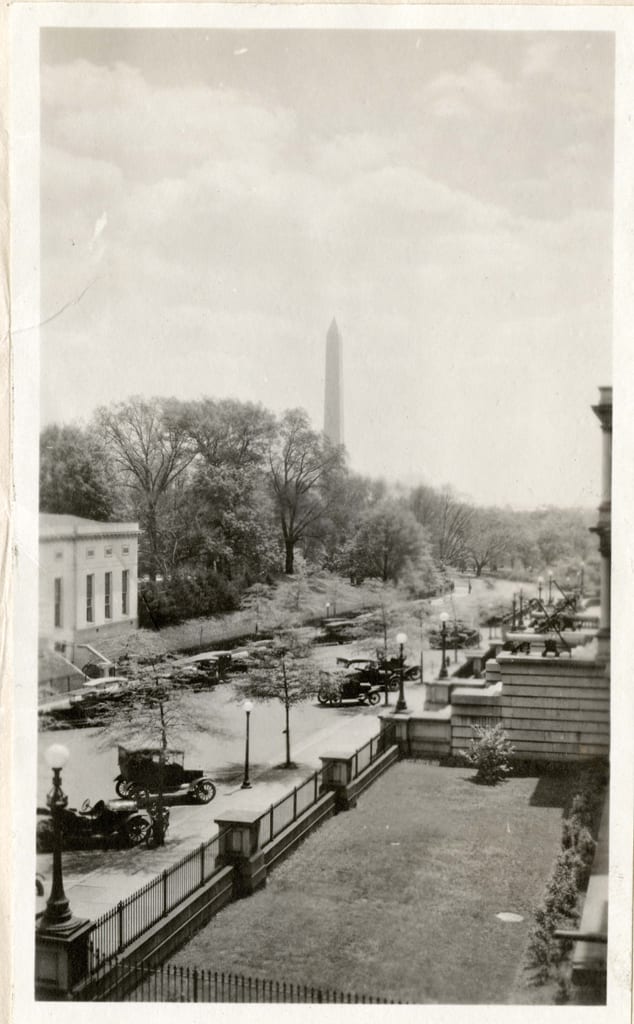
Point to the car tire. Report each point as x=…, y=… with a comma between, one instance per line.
x=136, y=829
x=322, y=697
x=138, y=793
x=393, y=684
x=204, y=792
x=374, y=698
x=122, y=788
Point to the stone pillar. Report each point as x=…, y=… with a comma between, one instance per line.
x=61, y=957
x=336, y=775
x=603, y=529
x=239, y=845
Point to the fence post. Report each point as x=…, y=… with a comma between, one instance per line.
x=294, y=803
x=120, y=923
x=195, y=984
x=165, y=892
x=272, y=806
x=202, y=863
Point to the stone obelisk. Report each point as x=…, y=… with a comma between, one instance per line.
x=333, y=401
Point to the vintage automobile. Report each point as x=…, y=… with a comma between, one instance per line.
x=140, y=776
x=343, y=686
x=105, y=823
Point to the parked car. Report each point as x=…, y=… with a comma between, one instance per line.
x=140, y=776
x=105, y=823
x=348, y=686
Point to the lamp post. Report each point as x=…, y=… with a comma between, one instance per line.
x=58, y=912
x=443, y=639
x=401, y=639
x=581, y=578
x=550, y=586
x=521, y=618
x=248, y=708
x=513, y=617
x=540, y=584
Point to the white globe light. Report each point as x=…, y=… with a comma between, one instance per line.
x=248, y=706
x=56, y=755
x=444, y=616
x=401, y=638
x=540, y=580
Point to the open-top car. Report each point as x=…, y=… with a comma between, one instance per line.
x=105, y=822
x=140, y=776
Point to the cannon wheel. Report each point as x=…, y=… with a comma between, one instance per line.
x=136, y=829
x=204, y=792
x=374, y=697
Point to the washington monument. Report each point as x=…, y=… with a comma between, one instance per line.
x=333, y=400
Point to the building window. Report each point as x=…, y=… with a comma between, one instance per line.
x=126, y=549
x=108, y=596
x=58, y=602
x=90, y=553
x=59, y=555
x=125, y=576
x=108, y=552
x=90, y=594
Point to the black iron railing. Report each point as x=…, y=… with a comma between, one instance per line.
x=173, y=984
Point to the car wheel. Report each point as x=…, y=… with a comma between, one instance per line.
x=136, y=829
x=204, y=792
x=322, y=697
x=44, y=836
x=393, y=683
x=374, y=697
x=122, y=787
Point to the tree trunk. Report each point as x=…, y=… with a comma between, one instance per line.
x=290, y=556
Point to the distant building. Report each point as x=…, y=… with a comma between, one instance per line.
x=88, y=582
x=333, y=399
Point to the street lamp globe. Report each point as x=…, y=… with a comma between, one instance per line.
x=56, y=755
x=444, y=616
x=248, y=706
x=401, y=639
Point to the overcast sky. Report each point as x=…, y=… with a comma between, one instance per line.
x=447, y=196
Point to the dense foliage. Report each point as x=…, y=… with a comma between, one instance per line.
x=228, y=496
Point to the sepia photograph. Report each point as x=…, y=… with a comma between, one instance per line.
x=314, y=476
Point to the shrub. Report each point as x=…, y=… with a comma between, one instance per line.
x=489, y=752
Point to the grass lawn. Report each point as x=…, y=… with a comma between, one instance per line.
x=398, y=897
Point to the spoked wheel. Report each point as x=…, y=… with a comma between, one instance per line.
x=322, y=697
x=122, y=787
x=335, y=702
x=392, y=683
x=204, y=792
x=374, y=697
x=136, y=829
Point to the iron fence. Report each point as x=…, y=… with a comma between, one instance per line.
x=170, y=983
x=119, y=927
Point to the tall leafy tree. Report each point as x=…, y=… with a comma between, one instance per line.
x=150, y=447
x=305, y=472
x=388, y=540
x=73, y=475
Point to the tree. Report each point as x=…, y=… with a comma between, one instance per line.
x=282, y=672
x=447, y=519
x=73, y=478
x=387, y=541
x=148, y=443
x=151, y=715
x=486, y=539
x=304, y=467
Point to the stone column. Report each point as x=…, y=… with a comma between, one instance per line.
x=239, y=845
x=603, y=411
x=336, y=775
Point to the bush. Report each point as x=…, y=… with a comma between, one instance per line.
x=489, y=752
